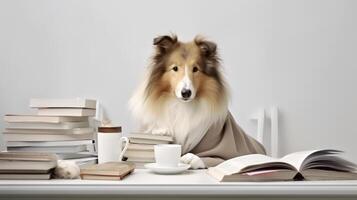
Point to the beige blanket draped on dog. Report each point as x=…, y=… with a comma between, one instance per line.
x=224, y=141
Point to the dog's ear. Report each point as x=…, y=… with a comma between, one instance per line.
x=208, y=48
x=165, y=42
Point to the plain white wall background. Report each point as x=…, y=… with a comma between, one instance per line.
x=299, y=55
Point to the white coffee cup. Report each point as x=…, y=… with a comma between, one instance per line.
x=167, y=155
x=110, y=144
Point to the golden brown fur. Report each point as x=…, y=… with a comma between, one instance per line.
x=198, y=53
x=158, y=103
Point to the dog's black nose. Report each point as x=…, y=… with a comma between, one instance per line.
x=186, y=93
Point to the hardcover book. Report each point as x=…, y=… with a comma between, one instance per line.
x=11, y=118
x=79, y=112
x=63, y=103
x=107, y=171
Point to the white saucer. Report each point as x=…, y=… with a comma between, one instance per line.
x=167, y=170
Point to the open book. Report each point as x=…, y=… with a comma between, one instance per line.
x=303, y=165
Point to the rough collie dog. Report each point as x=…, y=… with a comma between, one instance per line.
x=185, y=95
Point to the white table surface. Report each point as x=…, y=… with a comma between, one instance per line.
x=194, y=182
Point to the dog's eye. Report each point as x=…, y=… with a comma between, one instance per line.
x=175, y=68
x=195, y=69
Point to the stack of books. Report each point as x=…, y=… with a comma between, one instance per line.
x=26, y=165
x=61, y=126
x=141, y=147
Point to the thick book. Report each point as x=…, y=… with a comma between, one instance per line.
x=303, y=165
x=79, y=155
x=26, y=162
x=141, y=147
x=107, y=171
x=76, y=131
x=63, y=103
x=150, y=136
x=48, y=137
x=139, y=154
x=20, y=176
x=50, y=149
x=40, y=125
x=146, y=138
x=79, y=112
x=42, y=119
x=145, y=141
x=48, y=143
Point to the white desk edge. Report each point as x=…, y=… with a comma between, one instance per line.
x=196, y=183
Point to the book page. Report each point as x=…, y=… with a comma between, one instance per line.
x=235, y=165
x=328, y=159
x=296, y=159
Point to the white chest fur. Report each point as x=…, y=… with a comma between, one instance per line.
x=186, y=122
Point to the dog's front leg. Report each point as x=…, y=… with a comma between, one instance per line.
x=192, y=159
x=156, y=130
x=66, y=169
x=160, y=131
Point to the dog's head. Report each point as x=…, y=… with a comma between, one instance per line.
x=186, y=71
